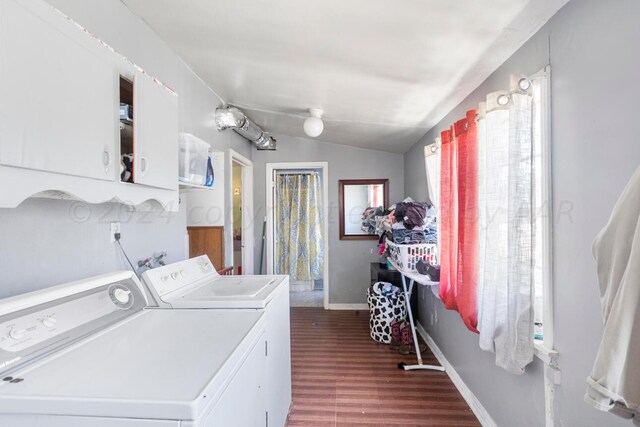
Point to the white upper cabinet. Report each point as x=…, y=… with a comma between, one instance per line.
x=155, y=134
x=60, y=93
x=57, y=104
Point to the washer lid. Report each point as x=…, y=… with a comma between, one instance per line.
x=229, y=292
x=194, y=283
x=159, y=364
x=234, y=286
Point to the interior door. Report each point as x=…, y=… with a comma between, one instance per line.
x=248, y=220
x=155, y=138
x=57, y=94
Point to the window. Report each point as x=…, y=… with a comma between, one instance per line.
x=507, y=142
x=432, y=165
x=543, y=308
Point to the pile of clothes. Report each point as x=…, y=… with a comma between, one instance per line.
x=427, y=269
x=415, y=222
x=407, y=222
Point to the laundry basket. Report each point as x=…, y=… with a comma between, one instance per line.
x=386, y=303
x=406, y=256
x=193, y=154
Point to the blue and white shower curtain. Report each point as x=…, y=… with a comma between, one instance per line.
x=298, y=232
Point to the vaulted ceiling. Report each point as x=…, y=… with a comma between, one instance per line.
x=384, y=72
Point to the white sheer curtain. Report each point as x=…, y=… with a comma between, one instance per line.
x=432, y=166
x=506, y=180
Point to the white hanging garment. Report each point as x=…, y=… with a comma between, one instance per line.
x=614, y=383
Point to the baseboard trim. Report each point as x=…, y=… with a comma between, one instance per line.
x=471, y=399
x=349, y=307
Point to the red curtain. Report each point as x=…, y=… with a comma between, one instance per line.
x=458, y=219
x=468, y=220
x=448, y=238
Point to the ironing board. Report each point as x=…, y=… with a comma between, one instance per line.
x=413, y=278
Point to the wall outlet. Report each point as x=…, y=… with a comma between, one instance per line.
x=115, y=229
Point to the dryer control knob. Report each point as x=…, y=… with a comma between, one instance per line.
x=17, y=334
x=49, y=322
x=122, y=295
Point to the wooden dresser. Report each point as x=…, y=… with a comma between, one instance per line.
x=207, y=241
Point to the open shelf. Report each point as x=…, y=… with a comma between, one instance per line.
x=126, y=125
x=188, y=186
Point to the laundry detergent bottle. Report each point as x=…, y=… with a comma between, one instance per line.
x=210, y=176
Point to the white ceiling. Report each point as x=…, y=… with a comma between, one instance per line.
x=384, y=72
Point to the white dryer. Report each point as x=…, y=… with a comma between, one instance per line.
x=194, y=283
x=89, y=353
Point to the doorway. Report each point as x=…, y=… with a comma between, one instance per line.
x=236, y=182
x=297, y=230
x=240, y=224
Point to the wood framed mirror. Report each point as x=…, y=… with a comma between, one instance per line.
x=355, y=197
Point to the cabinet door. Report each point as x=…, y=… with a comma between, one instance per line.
x=242, y=403
x=155, y=134
x=57, y=94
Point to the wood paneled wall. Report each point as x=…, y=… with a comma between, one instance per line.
x=207, y=241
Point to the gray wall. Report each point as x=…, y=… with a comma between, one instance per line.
x=349, y=260
x=592, y=46
x=46, y=242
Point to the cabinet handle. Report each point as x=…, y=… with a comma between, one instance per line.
x=106, y=159
x=143, y=165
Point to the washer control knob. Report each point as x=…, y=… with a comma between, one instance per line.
x=182, y=273
x=49, y=322
x=17, y=334
x=164, y=278
x=205, y=266
x=122, y=295
x=175, y=275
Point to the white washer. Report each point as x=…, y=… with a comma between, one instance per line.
x=194, y=283
x=89, y=353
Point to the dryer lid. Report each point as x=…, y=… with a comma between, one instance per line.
x=39, y=323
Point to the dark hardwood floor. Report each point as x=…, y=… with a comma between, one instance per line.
x=341, y=377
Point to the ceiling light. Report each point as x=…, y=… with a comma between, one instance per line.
x=313, y=125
